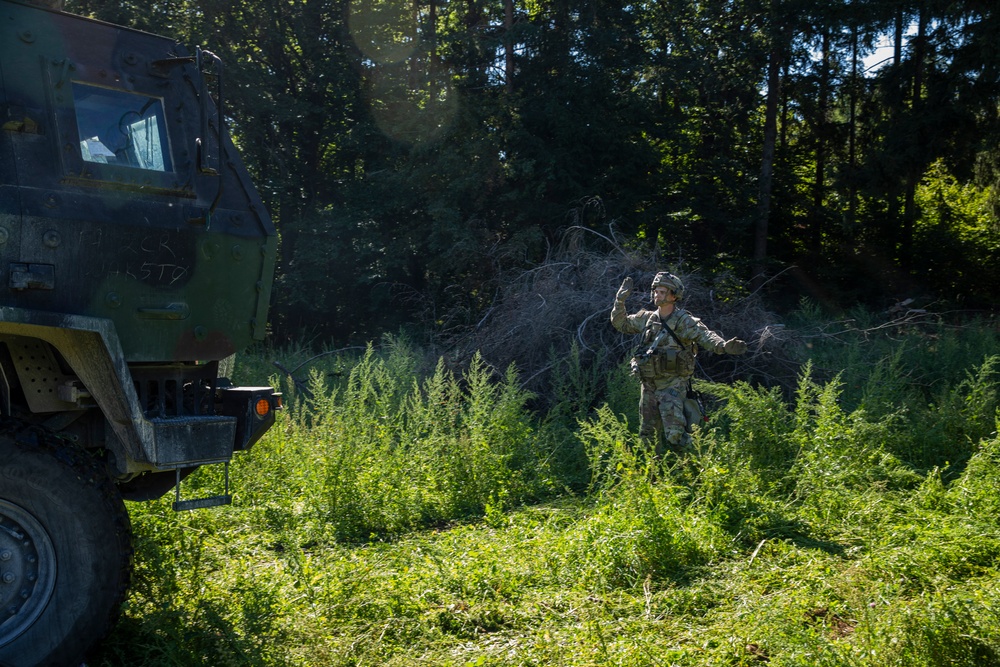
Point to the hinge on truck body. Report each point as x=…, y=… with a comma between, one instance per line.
x=32, y=276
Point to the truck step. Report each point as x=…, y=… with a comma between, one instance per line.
x=225, y=498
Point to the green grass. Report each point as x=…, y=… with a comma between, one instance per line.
x=409, y=517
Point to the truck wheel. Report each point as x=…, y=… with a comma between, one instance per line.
x=65, y=549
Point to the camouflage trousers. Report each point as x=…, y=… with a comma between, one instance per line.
x=661, y=415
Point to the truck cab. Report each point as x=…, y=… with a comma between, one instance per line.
x=136, y=259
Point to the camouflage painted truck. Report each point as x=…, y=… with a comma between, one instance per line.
x=137, y=259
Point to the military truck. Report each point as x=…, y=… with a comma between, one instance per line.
x=137, y=259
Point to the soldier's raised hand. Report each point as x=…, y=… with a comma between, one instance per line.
x=735, y=346
x=625, y=289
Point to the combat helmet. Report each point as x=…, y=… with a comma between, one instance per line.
x=670, y=281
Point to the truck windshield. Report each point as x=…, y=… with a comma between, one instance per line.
x=121, y=128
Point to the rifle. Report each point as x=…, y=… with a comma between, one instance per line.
x=643, y=355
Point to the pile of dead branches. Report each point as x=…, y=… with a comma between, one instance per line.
x=542, y=312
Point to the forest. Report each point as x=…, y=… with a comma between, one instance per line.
x=417, y=154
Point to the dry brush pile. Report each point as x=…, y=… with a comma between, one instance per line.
x=539, y=314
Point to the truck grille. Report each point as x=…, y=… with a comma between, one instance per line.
x=176, y=391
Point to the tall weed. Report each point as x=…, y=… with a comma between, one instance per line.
x=383, y=452
x=841, y=450
x=612, y=448
x=639, y=532
x=758, y=428
x=975, y=493
x=577, y=382
x=959, y=415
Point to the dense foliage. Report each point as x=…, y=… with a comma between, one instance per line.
x=383, y=522
x=412, y=151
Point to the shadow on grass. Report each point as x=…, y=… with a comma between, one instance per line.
x=176, y=638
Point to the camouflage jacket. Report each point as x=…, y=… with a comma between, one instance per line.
x=688, y=328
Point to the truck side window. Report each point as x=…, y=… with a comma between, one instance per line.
x=121, y=128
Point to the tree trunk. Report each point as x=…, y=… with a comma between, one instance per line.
x=819, y=186
x=767, y=167
x=897, y=47
x=783, y=140
x=852, y=137
x=432, y=35
x=916, y=167
x=413, y=79
x=508, y=45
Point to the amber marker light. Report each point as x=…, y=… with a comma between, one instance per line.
x=263, y=407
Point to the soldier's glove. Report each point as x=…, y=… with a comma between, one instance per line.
x=624, y=290
x=735, y=346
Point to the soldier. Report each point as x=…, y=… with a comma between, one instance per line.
x=665, y=361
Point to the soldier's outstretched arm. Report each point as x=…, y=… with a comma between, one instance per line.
x=696, y=330
x=731, y=346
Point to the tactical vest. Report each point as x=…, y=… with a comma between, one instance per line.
x=663, y=361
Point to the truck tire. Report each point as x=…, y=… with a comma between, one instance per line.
x=65, y=549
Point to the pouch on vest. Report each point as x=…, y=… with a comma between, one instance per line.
x=674, y=362
x=646, y=367
x=685, y=362
x=665, y=362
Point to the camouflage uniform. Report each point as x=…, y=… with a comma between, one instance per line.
x=666, y=374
